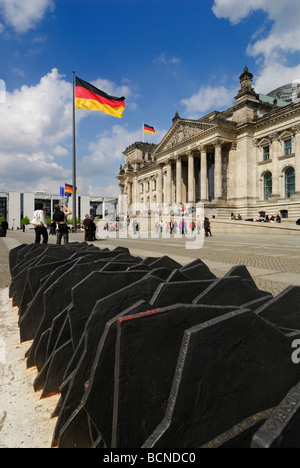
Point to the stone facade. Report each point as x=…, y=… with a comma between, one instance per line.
x=245, y=159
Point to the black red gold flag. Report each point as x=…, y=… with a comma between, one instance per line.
x=149, y=129
x=89, y=97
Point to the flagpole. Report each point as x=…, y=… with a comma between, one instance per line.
x=143, y=133
x=74, y=160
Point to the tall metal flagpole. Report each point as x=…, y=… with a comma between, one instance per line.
x=74, y=160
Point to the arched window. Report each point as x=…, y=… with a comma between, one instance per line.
x=289, y=182
x=267, y=185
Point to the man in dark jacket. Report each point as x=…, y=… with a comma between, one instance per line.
x=4, y=226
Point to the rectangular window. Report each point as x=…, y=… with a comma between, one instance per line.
x=266, y=153
x=22, y=205
x=3, y=207
x=288, y=147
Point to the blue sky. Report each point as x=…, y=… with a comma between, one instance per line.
x=164, y=56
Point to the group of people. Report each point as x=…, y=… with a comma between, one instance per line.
x=182, y=227
x=266, y=219
x=89, y=227
x=236, y=217
x=59, y=219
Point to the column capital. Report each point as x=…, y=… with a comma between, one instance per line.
x=274, y=136
x=296, y=128
x=202, y=148
x=218, y=142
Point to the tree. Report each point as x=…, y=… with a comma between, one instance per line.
x=25, y=221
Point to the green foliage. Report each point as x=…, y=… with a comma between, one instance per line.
x=25, y=221
x=70, y=221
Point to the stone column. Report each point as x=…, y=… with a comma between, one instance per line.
x=296, y=129
x=218, y=169
x=178, y=180
x=135, y=195
x=275, y=164
x=203, y=151
x=169, y=183
x=191, y=179
x=159, y=188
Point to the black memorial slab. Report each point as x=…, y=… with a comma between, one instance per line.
x=104, y=310
x=148, y=346
x=229, y=369
x=282, y=428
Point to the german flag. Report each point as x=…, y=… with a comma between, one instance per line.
x=69, y=189
x=148, y=129
x=90, y=98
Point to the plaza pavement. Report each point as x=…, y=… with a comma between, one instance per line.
x=272, y=260
x=25, y=419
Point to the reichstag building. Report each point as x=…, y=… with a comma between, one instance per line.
x=245, y=159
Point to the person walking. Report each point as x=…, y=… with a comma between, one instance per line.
x=4, y=226
x=60, y=216
x=206, y=226
x=85, y=226
x=41, y=229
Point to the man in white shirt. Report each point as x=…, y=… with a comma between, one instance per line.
x=41, y=230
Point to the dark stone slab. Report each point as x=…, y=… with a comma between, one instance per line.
x=68, y=326
x=228, y=369
x=240, y=436
x=243, y=272
x=104, y=310
x=178, y=292
x=283, y=310
x=282, y=428
x=148, y=346
x=229, y=291
x=164, y=262
x=13, y=256
x=31, y=318
x=57, y=297
x=86, y=293
x=101, y=384
x=177, y=275
x=33, y=280
x=197, y=270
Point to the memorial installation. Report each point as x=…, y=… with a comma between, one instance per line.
x=147, y=353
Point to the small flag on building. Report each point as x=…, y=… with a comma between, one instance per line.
x=149, y=129
x=90, y=98
x=61, y=191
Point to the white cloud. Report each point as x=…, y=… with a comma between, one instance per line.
x=284, y=34
x=167, y=60
x=111, y=88
x=36, y=139
x=35, y=125
x=272, y=45
x=208, y=98
x=23, y=15
x=275, y=75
